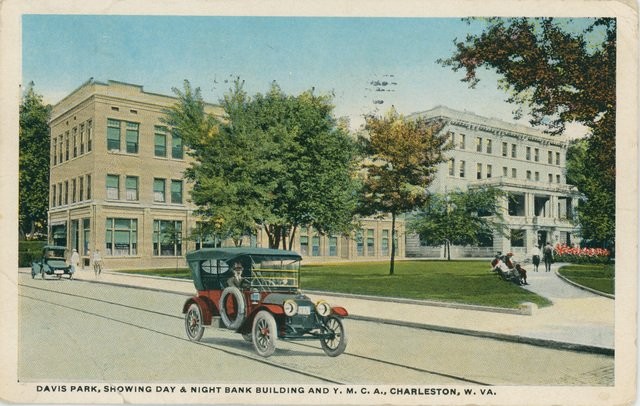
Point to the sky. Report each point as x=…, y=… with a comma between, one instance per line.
x=338, y=55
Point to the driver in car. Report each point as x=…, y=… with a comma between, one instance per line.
x=237, y=280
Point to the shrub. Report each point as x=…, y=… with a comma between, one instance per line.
x=577, y=255
x=28, y=251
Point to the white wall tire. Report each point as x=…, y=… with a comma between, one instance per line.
x=264, y=333
x=240, y=307
x=193, y=323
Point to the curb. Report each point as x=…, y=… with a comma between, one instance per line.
x=577, y=285
x=419, y=302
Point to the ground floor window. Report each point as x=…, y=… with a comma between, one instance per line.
x=167, y=238
x=121, y=237
x=384, y=245
x=304, y=245
x=59, y=234
x=517, y=238
x=371, y=242
x=86, y=235
x=333, y=246
x=315, y=246
x=359, y=244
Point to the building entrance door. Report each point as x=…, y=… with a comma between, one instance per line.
x=542, y=238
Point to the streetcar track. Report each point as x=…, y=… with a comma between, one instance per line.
x=385, y=362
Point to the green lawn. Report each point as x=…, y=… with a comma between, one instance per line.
x=598, y=277
x=468, y=282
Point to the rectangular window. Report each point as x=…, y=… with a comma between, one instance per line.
x=478, y=144
x=89, y=135
x=517, y=238
x=113, y=135
x=88, y=187
x=537, y=176
x=131, y=185
x=549, y=157
x=167, y=238
x=489, y=147
x=514, y=151
x=53, y=196
x=489, y=171
x=384, y=244
x=86, y=235
x=462, y=169
x=73, y=190
x=536, y=154
x=81, y=181
x=132, y=137
x=176, y=146
x=159, y=190
x=528, y=154
x=371, y=242
x=333, y=246
x=505, y=171
x=60, y=194
x=550, y=178
x=514, y=173
x=478, y=171
x=304, y=245
x=66, y=146
x=60, y=150
x=359, y=243
x=113, y=187
x=54, y=147
x=451, y=163
x=557, y=158
x=75, y=142
x=121, y=237
x=66, y=192
x=504, y=149
x=160, y=141
x=528, y=175
x=557, y=178
x=463, y=141
x=176, y=191
x=81, y=139
x=315, y=246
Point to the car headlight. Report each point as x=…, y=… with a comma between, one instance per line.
x=290, y=307
x=323, y=308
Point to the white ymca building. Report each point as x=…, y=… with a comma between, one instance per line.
x=526, y=163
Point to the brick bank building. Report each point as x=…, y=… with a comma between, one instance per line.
x=117, y=184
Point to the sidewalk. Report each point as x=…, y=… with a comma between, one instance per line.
x=577, y=319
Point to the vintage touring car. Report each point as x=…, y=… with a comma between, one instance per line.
x=256, y=292
x=52, y=262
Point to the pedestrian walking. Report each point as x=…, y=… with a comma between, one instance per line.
x=547, y=253
x=75, y=261
x=97, y=262
x=535, y=257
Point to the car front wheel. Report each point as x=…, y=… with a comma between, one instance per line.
x=193, y=323
x=264, y=333
x=335, y=342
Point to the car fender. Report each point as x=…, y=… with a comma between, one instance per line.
x=339, y=311
x=207, y=307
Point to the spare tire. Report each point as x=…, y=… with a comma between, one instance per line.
x=240, y=310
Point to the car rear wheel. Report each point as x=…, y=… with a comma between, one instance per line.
x=193, y=323
x=264, y=333
x=336, y=341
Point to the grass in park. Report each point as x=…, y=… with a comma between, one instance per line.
x=468, y=282
x=598, y=277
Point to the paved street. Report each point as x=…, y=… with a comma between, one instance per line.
x=76, y=330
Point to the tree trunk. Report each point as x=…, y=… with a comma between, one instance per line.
x=292, y=236
x=393, y=243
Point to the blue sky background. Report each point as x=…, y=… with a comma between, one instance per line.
x=332, y=54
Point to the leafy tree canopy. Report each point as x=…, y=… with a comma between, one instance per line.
x=459, y=218
x=275, y=160
x=401, y=161
x=33, y=163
